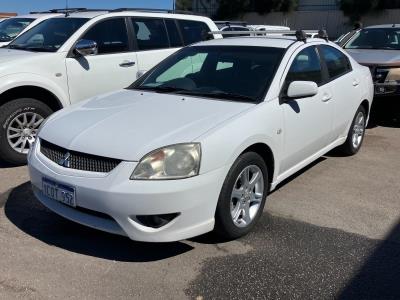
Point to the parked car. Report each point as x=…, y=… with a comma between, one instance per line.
x=197, y=143
x=12, y=27
x=229, y=26
x=66, y=59
x=378, y=47
x=267, y=27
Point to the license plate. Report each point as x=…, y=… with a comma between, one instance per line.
x=58, y=192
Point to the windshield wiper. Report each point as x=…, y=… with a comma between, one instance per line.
x=34, y=49
x=222, y=95
x=163, y=89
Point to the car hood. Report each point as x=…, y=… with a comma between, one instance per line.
x=128, y=124
x=370, y=57
x=9, y=55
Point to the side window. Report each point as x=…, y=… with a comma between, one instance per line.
x=337, y=63
x=306, y=67
x=194, y=31
x=150, y=33
x=110, y=35
x=173, y=33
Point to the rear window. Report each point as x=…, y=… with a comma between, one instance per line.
x=194, y=31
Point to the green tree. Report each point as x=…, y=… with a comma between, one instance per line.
x=356, y=8
x=183, y=5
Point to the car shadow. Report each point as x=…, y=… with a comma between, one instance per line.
x=385, y=112
x=30, y=216
x=6, y=165
x=379, y=276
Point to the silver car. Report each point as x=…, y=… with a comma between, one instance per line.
x=378, y=47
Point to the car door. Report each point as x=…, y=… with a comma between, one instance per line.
x=308, y=121
x=113, y=67
x=156, y=39
x=345, y=86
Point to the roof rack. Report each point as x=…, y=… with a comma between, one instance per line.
x=67, y=10
x=301, y=35
x=154, y=10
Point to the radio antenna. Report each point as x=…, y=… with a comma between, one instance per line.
x=66, y=9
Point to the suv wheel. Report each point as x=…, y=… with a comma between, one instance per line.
x=242, y=197
x=20, y=120
x=356, y=133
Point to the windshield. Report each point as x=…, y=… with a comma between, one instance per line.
x=10, y=28
x=49, y=35
x=376, y=38
x=239, y=73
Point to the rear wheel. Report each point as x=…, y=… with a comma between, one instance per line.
x=20, y=120
x=356, y=133
x=242, y=197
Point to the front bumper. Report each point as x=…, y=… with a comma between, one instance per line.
x=110, y=202
x=382, y=89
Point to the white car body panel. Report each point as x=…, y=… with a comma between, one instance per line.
x=129, y=124
x=81, y=78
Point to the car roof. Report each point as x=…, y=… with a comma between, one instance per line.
x=35, y=16
x=276, y=42
x=127, y=13
x=384, y=26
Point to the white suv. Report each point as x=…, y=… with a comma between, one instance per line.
x=78, y=55
x=198, y=142
x=13, y=27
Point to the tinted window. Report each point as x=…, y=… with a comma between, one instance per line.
x=376, y=38
x=110, y=35
x=10, y=28
x=173, y=33
x=306, y=67
x=150, y=33
x=194, y=31
x=49, y=35
x=222, y=72
x=337, y=63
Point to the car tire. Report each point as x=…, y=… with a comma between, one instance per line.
x=16, y=129
x=356, y=134
x=230, y=222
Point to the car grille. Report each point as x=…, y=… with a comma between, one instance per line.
x=77, y=160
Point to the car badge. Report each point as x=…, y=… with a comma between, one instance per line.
x=65, y=161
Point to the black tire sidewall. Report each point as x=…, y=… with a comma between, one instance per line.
x=8, y=112
x=224, y=225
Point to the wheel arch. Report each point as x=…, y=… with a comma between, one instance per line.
x=268, y=156
x=31, y=91
x=365, y=105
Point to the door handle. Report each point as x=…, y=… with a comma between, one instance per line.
x=355, y=82
x=326, y=97
x=127, y=63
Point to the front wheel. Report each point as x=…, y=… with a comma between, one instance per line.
x=356, y=133
x=20, y=120
x=242, y=198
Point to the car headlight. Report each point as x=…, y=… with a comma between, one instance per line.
x=171, y=162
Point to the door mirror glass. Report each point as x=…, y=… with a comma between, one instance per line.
x=302, y=89
x=86, y=47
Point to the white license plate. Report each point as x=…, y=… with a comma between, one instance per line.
x=58, y=192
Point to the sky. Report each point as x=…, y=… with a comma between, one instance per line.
x=26, y=6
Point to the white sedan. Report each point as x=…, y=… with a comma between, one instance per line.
x=198, y=142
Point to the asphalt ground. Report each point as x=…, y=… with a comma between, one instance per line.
x=330, y=231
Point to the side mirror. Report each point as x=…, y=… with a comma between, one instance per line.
x=302, y=89
x=86, y=47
